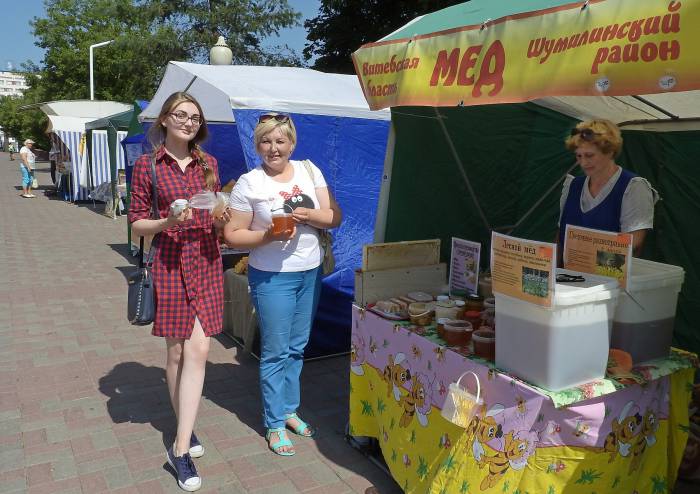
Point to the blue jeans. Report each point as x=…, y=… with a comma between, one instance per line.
x=286, y=305
x=27, y=176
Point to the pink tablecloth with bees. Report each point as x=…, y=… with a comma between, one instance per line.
x=629, y=439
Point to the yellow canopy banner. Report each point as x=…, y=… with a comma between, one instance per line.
x=608, y=47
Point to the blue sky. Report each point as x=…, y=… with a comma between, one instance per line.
x=17, y=42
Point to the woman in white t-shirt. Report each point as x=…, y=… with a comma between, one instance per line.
x=26, y=164
x=284, y=268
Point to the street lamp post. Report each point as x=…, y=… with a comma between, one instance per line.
x=92, y=79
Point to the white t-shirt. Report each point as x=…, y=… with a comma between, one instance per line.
x=257, y=193
x=31, y=157
x=638, y=201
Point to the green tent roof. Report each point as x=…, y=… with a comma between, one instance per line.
x=118, y=121
x=475, y=12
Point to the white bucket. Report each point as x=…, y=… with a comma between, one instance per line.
x=560, y=347
x=644, y=326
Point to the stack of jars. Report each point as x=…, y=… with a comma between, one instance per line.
x=472, y=319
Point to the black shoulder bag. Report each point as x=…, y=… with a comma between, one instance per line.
x=141, y=307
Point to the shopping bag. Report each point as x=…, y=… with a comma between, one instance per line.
x=325, y=239
x=35, y=183
x=460, y=405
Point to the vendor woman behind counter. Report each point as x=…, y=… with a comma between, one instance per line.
x=607, y=197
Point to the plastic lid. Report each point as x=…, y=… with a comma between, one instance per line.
x=647, y=275
x=459, y=303
x=442, y=298
x=484, y=335
x=594, y=288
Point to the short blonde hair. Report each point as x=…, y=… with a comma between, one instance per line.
x=264, y=128
x=606, y=136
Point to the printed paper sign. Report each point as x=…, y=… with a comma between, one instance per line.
x=598, y=252
x=523, y=269
x=133, y=151
x=464, y=266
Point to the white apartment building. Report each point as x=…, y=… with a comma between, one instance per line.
x=12, y=84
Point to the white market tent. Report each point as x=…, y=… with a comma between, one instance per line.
x=285, y=89
x=67, y=121
x=654, y=112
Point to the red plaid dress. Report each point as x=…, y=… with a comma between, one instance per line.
x=187, y=268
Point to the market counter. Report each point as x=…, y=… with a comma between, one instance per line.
x=599, y=437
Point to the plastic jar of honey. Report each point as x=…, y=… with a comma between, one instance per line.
x=474, y=317
x=474, y=302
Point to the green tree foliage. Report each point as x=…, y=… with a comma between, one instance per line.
x=342, y=26
x=22, y=124
x=147, y=34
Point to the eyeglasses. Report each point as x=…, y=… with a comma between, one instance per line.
x=181, y=117
x=279, y=118
x=586, y=134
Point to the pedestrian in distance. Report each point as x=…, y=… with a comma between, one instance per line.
x=11, y=150
x=26, y=166
x=187, y=269
x=284, y=266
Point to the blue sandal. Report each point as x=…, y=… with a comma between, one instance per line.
x=283, y=441
x=303, y=429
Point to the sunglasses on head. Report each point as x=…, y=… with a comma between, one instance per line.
x=279, y=117
x=586, y=134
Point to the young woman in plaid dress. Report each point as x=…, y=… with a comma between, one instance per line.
x=187, y=269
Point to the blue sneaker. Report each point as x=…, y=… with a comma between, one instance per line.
x=196, y=448
x=187, y=477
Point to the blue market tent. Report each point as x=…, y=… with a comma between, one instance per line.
x=336, y=130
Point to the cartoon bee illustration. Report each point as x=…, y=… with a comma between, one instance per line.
x=491, y=374
x=357, y=356
x=514, y=455
x=624, y=430
x=372, y=346
x=397, y=328
x=581, y=429
x=646, y=437
x=442, y=389
x=414, y=403
x=395, y=375
x=484, y=428
x=520, y=406
x=440, y=353
x=445, y=441
x=417, y=352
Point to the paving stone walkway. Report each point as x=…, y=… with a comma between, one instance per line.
x=84, y=406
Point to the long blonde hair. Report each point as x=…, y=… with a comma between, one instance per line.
x=156, y=134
